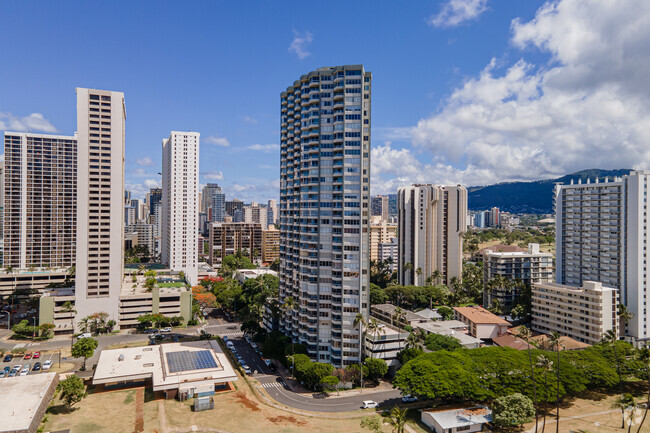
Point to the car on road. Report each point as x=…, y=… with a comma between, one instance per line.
x=84, y=335
x=8, y=358
x=273, y=367
x=47, y=365
x=151, y=331
x=37, y=366
x=369, y=404
x=409, y=398
x=247, y=370
x=167, y=329
x=226, y=339
x=230, y=345
x=36, y=355
x=267, y=362
x=28, y=355
x=254, y=345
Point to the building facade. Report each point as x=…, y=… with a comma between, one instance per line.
x=528, y=267
x=180, y=207
x=324, y=210
x=254, y=213
x=229, y=238
x=432, y=223
x=388, y=251
x=583, y=313
x=379, y=207
x=381, y=231
x=101, y=117
x=270, y=245
x=272, y=212
x=40, y=197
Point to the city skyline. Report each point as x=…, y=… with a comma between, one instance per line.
x=461, y=94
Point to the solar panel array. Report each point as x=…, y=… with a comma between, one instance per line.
x=190, y=360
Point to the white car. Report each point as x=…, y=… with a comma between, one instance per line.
x=25, y=370
x=47, y=365
x=168, y=329
x=409, y=398
x=369, y=404
x=254, y=345
x=247, y=369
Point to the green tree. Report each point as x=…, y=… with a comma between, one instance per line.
x=409, y=353
x=555, y=341
x=377, y=368
x=397, y=418
x=610, y=339
x=329, y=382
x=643, y=356
x=435, y=342
x=84, y=348
x=371, y=423
x=545, y=365
x=72, y=390
x=525, y=334
x=446, y=313
x=626, y=402
x=512, y=410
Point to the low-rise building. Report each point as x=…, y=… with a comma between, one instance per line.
x=26, y=282
x=482, y=324
x=246, y=274
x=387, y=313
x=457, y=420
x=529, y=267
x=24, y=400
x=452, y=328
x=385, y=343
x=184, y=370
x=583, y=313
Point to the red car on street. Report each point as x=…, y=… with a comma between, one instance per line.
x=36, y=355
x=28, y=355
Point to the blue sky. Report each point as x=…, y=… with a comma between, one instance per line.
x=464, y=91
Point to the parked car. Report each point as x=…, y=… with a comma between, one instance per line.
x=8, y=358
x=17, y=367
x=25, y=370
x=167, y=329
x=267, y=362
x=36, y=355
x=84, y=335
x=28, y=355
x=12, y=373
x=37, y=366
x=47, y=365
x=273, y=367
x=7, y=369
x=3, y=373
x=369, y=404
x=247, y=370
x=409, y=398
x=254, y=345
x=151, y=331
x=226, y=339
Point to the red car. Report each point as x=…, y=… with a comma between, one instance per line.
x=28, y=355
x=36, y=355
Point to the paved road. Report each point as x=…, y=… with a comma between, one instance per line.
x=275, y=386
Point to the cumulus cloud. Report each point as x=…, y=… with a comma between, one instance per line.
x=456, y=12
x=146, y=161
x=217, y=141
x=152, y=183
x=250, y=120
x=589, y=106
x=300, y=43
x=213, y=175
x=265, y=147
x=138, y=172
x=33, y=122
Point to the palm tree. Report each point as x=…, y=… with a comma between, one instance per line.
x=414, y=340
x=525, y=334
x=624, y=316
x=360, y=321
x=398, y=316
x=555, y=341
x=610, y=338
x=406, y=268
x=643, y=356
x=437, y=276
x=374, y=329
x=418, y=272
x=496, y=307
x=545, y=365
x=625, y=402
x=397, y=418
x=9, y=270
x=67, y=307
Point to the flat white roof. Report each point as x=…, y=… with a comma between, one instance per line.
x=455, y=418
x=20, y=398
x=139, y=363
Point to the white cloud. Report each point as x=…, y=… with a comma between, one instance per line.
x=217, y=141
x=213, y=175
x=138, y=172
x=265, y=147
x=455, y=12
x=300, y=43
x=33, y=122
x=146, y=161
x=250, y=120
x=152, y=183
x=589, y=107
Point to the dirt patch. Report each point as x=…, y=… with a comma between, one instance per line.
x=281, y=419
x=139, y=410
x=243, y=399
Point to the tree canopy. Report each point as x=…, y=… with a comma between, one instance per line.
x=512, y=410
x=72, y=390
x=435, y=342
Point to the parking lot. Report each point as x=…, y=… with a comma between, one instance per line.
x=16, y=360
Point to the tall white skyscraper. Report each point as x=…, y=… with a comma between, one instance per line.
x=602, y=235
x=432, y=223
x=324, y=210
x=180, y=190
x=101, y=117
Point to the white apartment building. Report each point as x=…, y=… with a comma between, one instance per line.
x=180, y=207
x=40, y=200
x=381, y=231
x=101, y=117
x=144, y=236
x=389, y=251
x=272, y=212
x=432, y=223
x=529, y=267
x=254, y=213
x=583, y=313
x=324, y=210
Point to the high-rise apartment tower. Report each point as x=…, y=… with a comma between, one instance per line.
x=324, y=210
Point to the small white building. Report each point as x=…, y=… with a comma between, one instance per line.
x=457, y=420
x=245, y=274
x=385, y=344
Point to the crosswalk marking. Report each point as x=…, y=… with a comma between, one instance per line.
x=274, y=385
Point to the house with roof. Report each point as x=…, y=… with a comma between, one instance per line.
x=457, y=420
x=482, y=324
